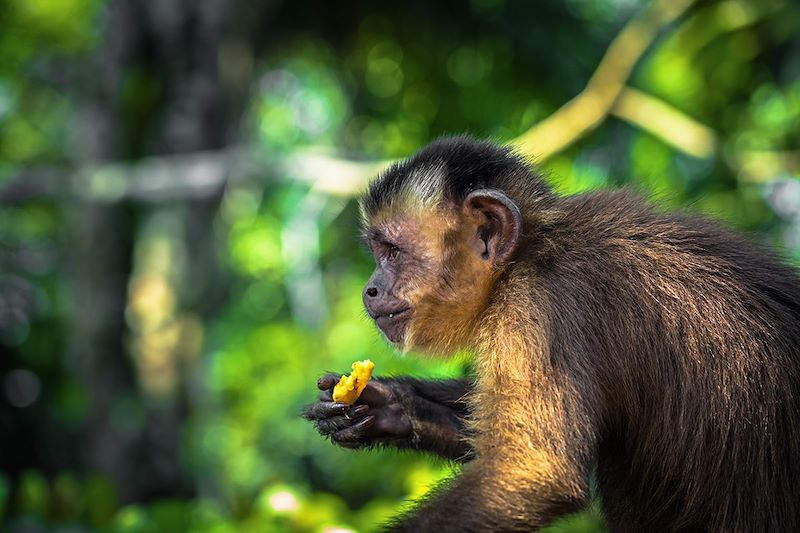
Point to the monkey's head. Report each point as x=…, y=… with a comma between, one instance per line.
x=442, y=226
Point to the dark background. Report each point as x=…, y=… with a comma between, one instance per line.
x=178, y=260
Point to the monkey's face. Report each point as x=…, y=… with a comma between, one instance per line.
x=405, y=252
x=435, y=268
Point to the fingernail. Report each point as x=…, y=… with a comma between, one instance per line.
x=360, y=410
x=368, y=421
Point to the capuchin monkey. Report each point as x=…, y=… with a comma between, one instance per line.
x=654, y=356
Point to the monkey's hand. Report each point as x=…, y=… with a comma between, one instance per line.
x=424, y=415
x=377, y=417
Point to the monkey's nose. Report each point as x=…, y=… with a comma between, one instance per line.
x=372, y=292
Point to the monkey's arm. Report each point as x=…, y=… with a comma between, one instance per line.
x=438, y=413
x=402, y=412
x=513, y=485
x=535, y=446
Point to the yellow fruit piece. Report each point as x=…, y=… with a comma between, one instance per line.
x=350, y=387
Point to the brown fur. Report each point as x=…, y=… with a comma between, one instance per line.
x=656, y=350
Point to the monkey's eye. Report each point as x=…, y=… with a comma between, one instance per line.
x=392, y=252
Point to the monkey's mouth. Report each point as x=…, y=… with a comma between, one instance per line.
x=394, y=324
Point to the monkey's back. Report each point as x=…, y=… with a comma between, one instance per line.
x=695, y=333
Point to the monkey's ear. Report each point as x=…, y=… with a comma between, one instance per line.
x=499, y=224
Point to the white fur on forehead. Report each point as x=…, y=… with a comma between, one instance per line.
x=426, y=184
x=422, y=188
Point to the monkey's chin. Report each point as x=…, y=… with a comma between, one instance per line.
x=395, y=329
x=404, y=343
x=400, y=346
x=395, y=337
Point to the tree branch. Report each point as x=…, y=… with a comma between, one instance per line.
x=587, y=110
x=666, y=122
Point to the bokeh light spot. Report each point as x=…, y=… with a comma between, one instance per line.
x=284, y=502
x=22, y=387
x=384, y=77
x=14, y=326
x=467, y=65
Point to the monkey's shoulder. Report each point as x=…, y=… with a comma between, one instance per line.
x=624, y=215
x=619, y=232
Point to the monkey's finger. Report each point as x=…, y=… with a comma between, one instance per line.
x=375, y=393
x=355, y=433
x=329, y=426
x=319, y=410
x=328, y=380
x=332, y=424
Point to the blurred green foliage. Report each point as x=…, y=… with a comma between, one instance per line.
x=394, y=78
